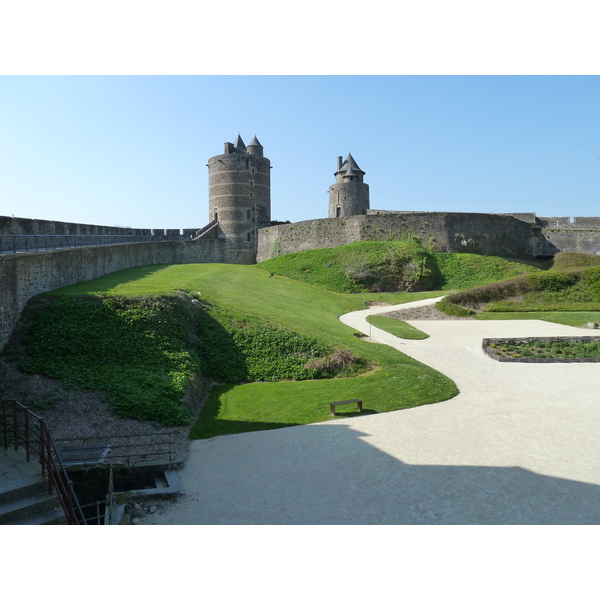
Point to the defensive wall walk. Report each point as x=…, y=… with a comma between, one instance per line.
x=517, y=445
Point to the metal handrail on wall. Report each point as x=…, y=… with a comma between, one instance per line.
x=23, y=428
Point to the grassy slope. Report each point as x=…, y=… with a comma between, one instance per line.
x=324, y=268
x=570, y=306
x=464, y=271
x=400, y=382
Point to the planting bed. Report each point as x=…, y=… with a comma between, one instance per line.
x=544, y=349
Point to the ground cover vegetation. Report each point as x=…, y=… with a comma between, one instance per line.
x=139, y=351
x=554, y=350
x=241, y=304
x=569, y=285
x=393, y=266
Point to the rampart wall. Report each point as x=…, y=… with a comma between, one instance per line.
x=23, y=276
x=21, y=226
x=569, y=222
x=496, y=235
x=552, y=241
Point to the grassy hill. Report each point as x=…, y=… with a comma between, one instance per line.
x=270, y=333
x=370, y=266
x=571, y=285
x=227, y=293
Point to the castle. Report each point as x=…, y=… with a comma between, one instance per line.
x=240, y=208
x=240, y=231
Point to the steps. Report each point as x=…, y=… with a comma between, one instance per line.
x=24, y=498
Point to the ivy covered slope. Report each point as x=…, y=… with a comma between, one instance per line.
x=143, y=352
x=393, y=266
x=242, y=307
x=140, y=351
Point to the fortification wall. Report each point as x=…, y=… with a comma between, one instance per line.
x=569, y=222
x=22, y=226
x=496, y=235
x=23, y=276
x=553, y=241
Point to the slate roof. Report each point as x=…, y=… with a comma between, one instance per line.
x=239, y=144
x=350, y=168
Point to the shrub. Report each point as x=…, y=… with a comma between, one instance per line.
x=591, y=278
x=549, y=281
x=340, y=361
x=453, y=309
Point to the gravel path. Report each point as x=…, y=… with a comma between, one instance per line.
x=517, y=445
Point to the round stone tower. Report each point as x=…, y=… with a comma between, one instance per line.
x=239, y=196
x=348, y=196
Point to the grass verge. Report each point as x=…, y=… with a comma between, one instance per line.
x=400, y=329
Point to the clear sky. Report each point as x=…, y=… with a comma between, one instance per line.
x=132, y=150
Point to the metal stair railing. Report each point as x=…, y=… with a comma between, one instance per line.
x=117, y=449
x=21, y=427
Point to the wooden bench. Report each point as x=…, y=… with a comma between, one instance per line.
x=332, y=405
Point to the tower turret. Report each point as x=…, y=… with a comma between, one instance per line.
x=349, y=195
x=239, y=196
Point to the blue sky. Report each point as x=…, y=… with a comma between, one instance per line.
x=132, y=150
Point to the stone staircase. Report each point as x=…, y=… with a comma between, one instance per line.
x=24, y=498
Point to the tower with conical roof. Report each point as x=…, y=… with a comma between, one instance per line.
x=349, y=195
x=239, y=196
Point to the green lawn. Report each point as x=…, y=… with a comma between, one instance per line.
x=398, y=382
x=400, y=329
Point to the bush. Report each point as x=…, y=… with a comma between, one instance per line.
x=550, y=281
x=566, y=261
x=591, y=278
x=340, y=361
x=453, y=309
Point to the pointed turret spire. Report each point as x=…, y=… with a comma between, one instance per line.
x=350, y=163
x=255, y=147
x=239, y=144
x=255, y=142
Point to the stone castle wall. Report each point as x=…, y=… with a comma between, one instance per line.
x=496, y=235
x=21, y=226
x=553, y=241
x=23, y=276
x=569, y=222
